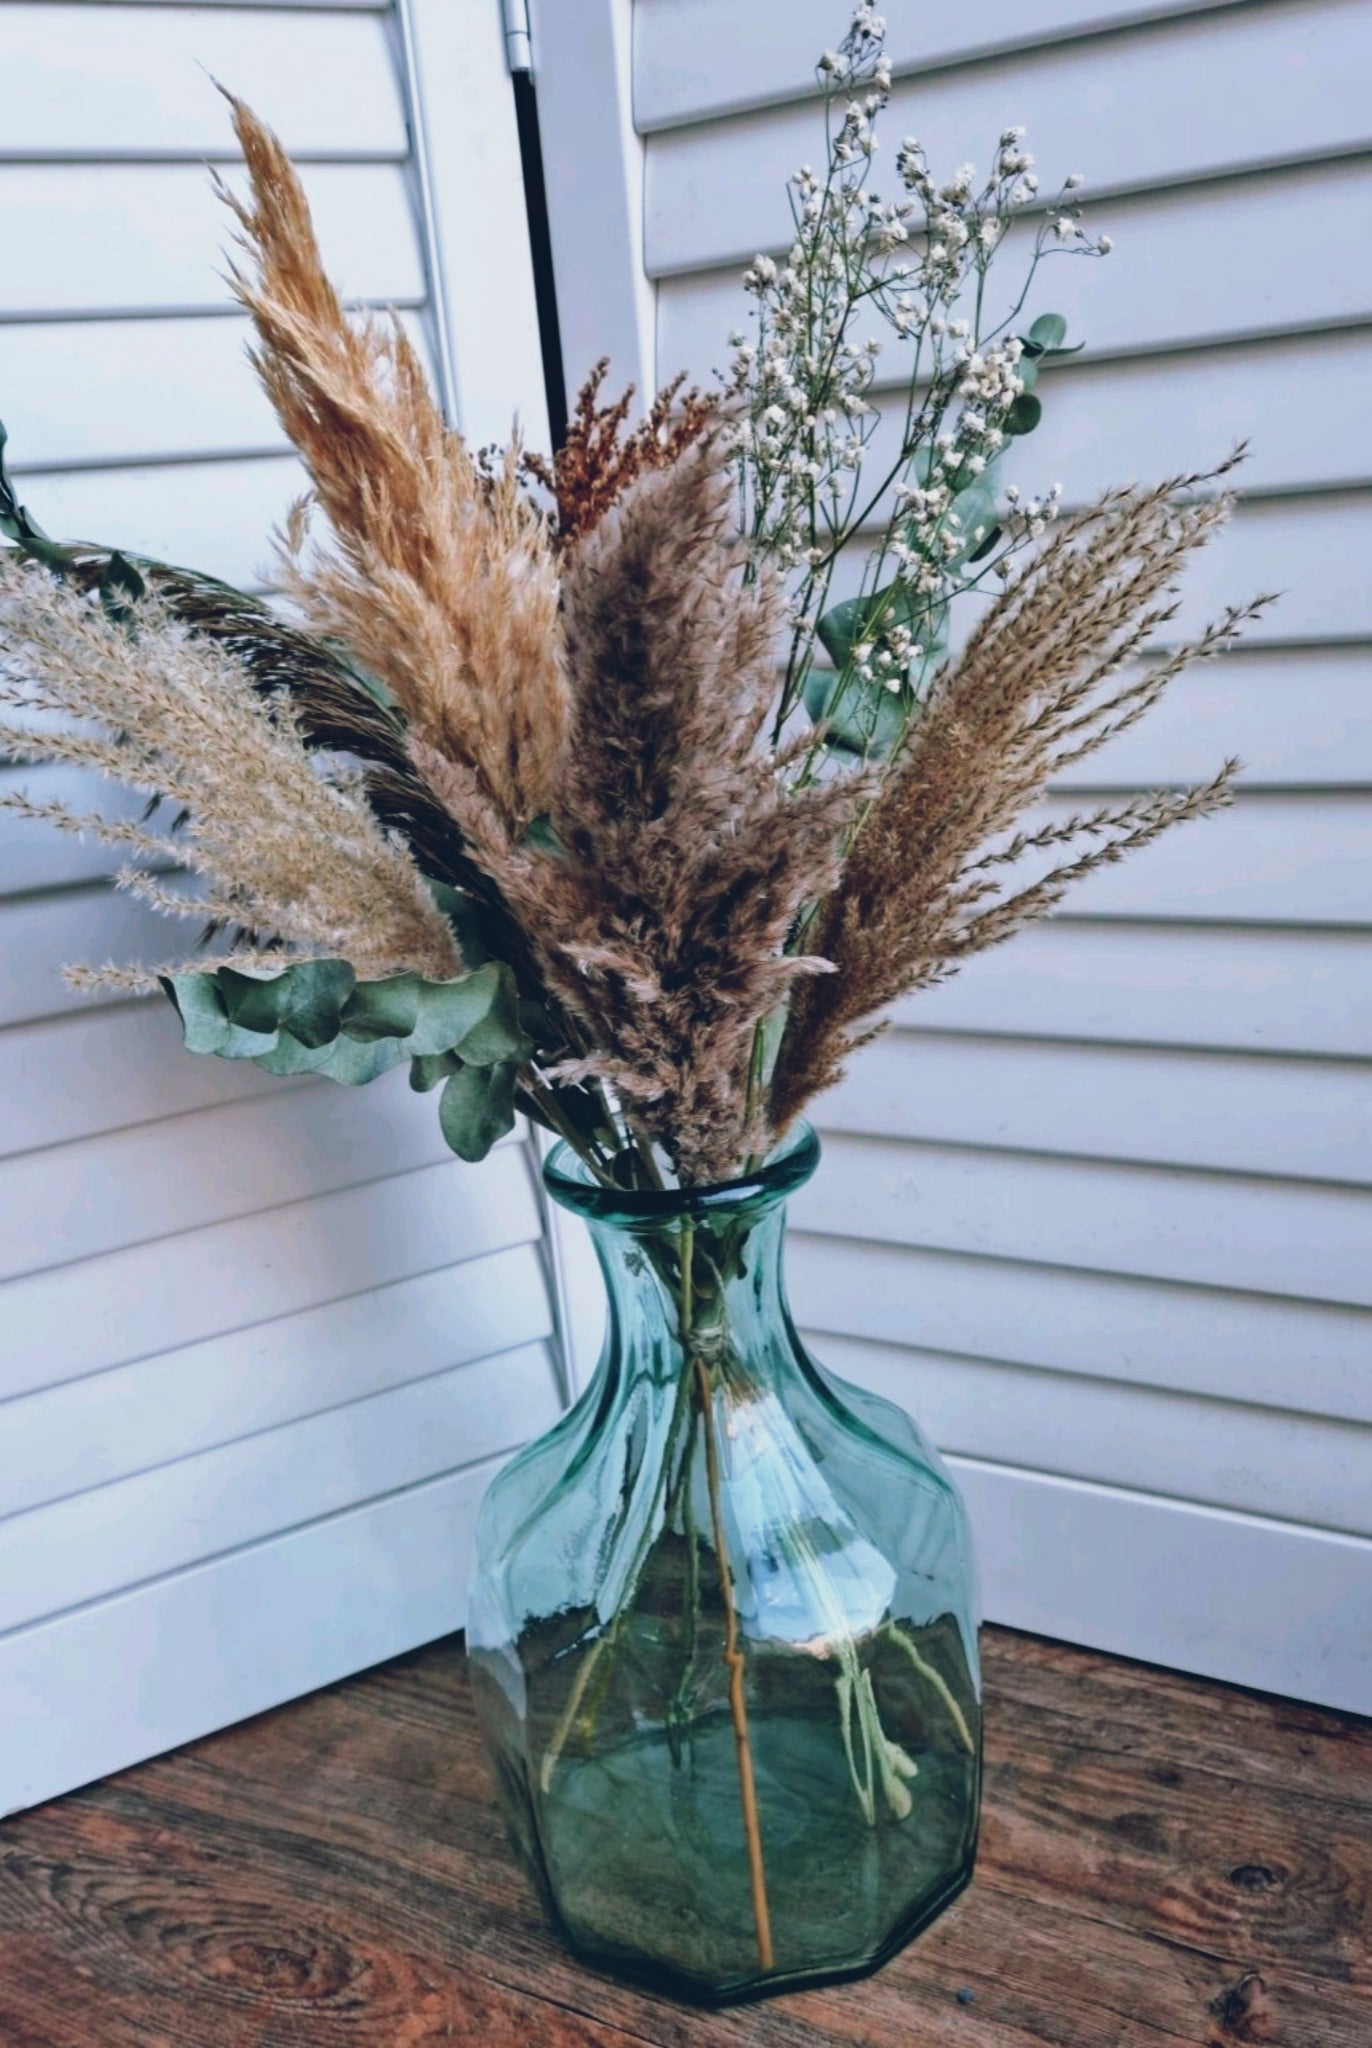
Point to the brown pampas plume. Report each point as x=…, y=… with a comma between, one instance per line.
x=659, y=920
x=598, y=461
x=285, y=851
x=441, y=580
x=931, y=877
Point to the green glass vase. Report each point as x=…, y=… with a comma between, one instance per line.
x=723, y=1625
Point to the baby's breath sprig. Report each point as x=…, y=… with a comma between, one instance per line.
x=936, y=521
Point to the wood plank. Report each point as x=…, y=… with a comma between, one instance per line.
x=41, y=934
x=124, y=238
x=1274, y=1117
x=1195, y=1340
x=75, y=1201
x=108, y=80
x=1211, y=1229
x=1162, y=287
x=374, y=1798
x=1141, y=984
x=202, y=1283
x=90, y=1431
x=102, y=1070
x=1183, y=100
x=96, y=1542
x=1226, y=1454
x=700, y=59
x=37, y=855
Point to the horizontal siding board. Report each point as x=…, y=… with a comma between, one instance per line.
x=1233, y=1347
x=1216, y=1230
x=186, y=1172
x=216, y=517
x=716, y=193
x=212, y=1644
x=1162, y=288
x=85, y=392
x=36, y=855
x=130, y=1304
x=1238, y=1597
x=1302, y=1119
x=91, y=1431
x=694, y=59
x=1266, y=859
x=41, y=934
x=99, y=81
x=86, y=239
x=1298, y=718
x=1269, y=991
x=1291, y=1467
x=103, y=1070
x=108, y=1537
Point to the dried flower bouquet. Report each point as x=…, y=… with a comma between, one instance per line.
x=628, y=789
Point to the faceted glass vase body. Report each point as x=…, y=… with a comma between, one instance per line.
x=722, y=1625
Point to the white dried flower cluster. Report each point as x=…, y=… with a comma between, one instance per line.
x=805, y=378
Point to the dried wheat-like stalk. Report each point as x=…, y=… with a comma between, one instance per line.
x=598, y=461
x=659, y=922
x=284, y=850
x=440, y=579
x=930, y=878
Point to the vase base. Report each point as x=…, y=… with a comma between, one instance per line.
x=689, y=1989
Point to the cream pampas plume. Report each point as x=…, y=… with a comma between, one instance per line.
x=285, y=852
x=440, y=577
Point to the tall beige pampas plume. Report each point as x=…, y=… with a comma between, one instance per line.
x=440, y=578
x=284, y=851
x=936, y=872
x=659, y=922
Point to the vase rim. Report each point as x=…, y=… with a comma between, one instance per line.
x=570, y=1183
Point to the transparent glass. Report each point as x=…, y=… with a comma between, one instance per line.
x=722, y=1625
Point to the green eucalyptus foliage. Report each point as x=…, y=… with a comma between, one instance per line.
x=316, y=1017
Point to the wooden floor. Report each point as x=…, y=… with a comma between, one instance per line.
x=1164, y=1861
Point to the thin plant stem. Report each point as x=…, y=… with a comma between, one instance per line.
x=733, y=1654
x=937, y=1680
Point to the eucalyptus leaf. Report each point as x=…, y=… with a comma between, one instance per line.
x=1024, y=415
x=427, y=1069
x=205, y=1022
x=305, y=998
x=383, y=1009
x=1049, y=331
x=862, y=718
x=477, y=1107
x=478, y=1015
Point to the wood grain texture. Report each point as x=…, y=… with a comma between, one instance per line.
x=1165, y=1864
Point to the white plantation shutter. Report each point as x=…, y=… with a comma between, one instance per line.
x=261, y=1342
x=1098, y=1210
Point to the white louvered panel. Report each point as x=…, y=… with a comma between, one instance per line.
x=697, y=59
x=199, y=1283
x=1213, y=1229
x=119, y=1065
x=90, y=239
x=94, y=1542
x=217, y=517
x=90, y=1431
x=1234, y=1347
x=1163, y=287
x=37, y=855
x=85, y=392
x=111, y=79
x=1140, y=983
x=73, y=1201
x=1306, y=1119
x=1292, y=1467
x=232, y=1307
x=219, y=1641
x=1132, y=110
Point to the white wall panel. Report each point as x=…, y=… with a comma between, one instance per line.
x=259, y=1341
x=1099, y=1210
